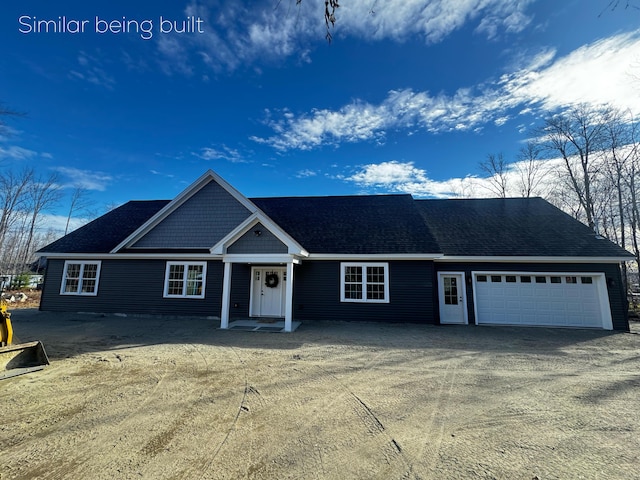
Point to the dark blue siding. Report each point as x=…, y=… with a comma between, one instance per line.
x=240, y=291
x=316, y=294
x=132, y=286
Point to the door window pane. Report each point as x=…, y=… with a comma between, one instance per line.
x=450, y=290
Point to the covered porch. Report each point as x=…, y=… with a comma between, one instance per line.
x=270, y=293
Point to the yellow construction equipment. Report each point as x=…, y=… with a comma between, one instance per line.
x=20, y=358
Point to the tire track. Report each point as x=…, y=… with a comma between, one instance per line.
x=206, y=466
x=390, y=448
x=435, y=426
x=84, y=451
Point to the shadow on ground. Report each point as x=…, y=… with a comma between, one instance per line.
x=69, y=334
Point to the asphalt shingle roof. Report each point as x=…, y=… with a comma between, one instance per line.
x=352, y=224
x=106, y=232
x=511, y=227
x=386, y=224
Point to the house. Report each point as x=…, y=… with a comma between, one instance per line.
x=391, y=258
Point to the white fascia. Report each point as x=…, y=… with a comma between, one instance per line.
x=186, y=194
x=133, y=256
x=540, y=259
x=375, y=257
x=262, y=258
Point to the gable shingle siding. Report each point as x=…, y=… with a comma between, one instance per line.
x=250, y=243
x=192, y=225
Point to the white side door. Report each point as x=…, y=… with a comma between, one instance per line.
x=452, y=298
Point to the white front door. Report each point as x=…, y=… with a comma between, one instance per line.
x=267, y=291
x=452, y=294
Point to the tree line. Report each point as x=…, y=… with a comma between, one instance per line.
x=586, y=161
x=26, y=199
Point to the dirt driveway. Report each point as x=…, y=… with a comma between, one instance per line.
x=163, y=398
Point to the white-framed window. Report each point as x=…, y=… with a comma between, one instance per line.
x=364, y=282
x=185, y=279
x=80, y=277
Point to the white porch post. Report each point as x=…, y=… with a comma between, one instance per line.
x=288, y=302
x=226, y=296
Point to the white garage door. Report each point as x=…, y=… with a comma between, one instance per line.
x=561, y=300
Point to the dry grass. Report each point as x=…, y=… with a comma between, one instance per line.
x=33, y=299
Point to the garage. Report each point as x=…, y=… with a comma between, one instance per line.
x=542, y=299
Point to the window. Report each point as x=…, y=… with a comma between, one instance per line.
x=185, y=280
x=80, y=278
x=586, y=279
x=571, y=280
x=364, y=282
x=481, y=278
x=496, y=278
x=510, y=278
x=525, y=279
x=541, y=279
x=450, y=290
x=556, y=280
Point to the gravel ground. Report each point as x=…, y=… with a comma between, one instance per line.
x=156, y=398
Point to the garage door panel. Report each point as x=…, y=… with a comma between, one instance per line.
x=566, y=300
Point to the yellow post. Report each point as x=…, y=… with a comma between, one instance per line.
x=6, y=330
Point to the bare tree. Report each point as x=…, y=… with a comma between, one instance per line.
x=80, y=202
x=496, y=167
x=13, y=197
x=578, y=136
x=6, y=112
x=42, y=193
x=531, y=169
x=633, y=211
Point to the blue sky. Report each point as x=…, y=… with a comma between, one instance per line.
x=409, y=97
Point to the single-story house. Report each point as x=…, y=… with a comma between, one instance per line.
x=211, y=251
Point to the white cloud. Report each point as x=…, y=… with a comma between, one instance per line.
x=237, y=35
x=58, y=223
x=306, y=173
x=84, y=178
x=222, y=153
x=90, y=69
x=596, y=74
x=431, y=19
x=17, y=153
x=399, y=177
x=168, y=175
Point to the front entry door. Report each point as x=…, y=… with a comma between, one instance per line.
x=267, y=292
x=452, y=298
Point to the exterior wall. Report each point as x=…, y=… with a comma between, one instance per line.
x=132, y=286
x=316, y=294
x=240, y=291
x=136, y=286
x=249, y=243
x=200, y=222
x=617, y=299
